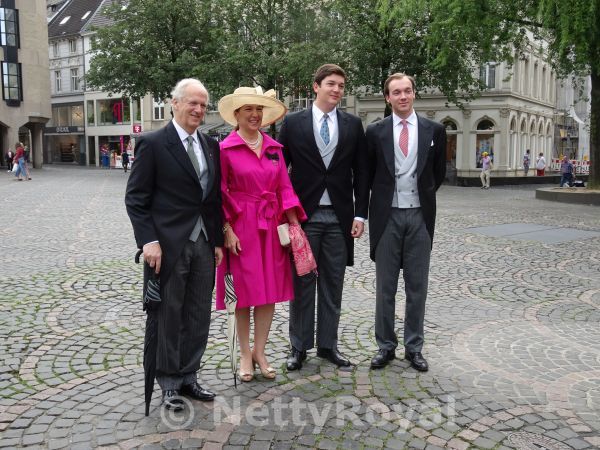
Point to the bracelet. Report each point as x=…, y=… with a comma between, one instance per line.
x=226, y=228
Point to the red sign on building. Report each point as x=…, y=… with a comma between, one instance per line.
x=137, y=129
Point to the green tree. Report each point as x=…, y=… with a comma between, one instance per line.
x=277, y=43
x=377, y=42
x=572, y=29
x=152, y=44
x=414, y=36
x=496, y=30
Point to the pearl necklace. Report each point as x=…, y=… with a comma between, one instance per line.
x=252, y=144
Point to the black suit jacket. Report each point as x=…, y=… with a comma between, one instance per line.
x=346, y=179
x=431, y=170
x=164, y=197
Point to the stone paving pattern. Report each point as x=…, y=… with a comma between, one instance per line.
x=512, y=333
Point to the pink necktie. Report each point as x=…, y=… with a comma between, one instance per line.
x=404, y=138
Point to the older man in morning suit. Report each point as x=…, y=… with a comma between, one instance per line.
x=408, y=166
x=174, y=202
x=326, y=150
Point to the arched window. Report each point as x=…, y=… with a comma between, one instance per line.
x=513, y=141
x=451, y=139
x=486, y=125
x=484, y=140
x=540, y=139
x=450, y=125
x=532, y=136
x=548, y=146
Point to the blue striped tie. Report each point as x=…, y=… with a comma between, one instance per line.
x=325, y=130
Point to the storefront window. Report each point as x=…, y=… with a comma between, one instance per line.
x=113, y=111
x=77, y=116
x=110, y=150
x=67, y=116
x=63, y=116
x=90, y=112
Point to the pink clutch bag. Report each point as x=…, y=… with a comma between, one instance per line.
x=304, y=259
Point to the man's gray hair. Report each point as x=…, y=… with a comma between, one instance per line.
x=178, y=91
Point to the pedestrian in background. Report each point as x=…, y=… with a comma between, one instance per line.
x=540, y=165
x=105, y=156
x=486, y=170
x=125, y=160
x=26, y=163
x=19, y=159
x=566, y=172
x=526, y=161
x=8, y=157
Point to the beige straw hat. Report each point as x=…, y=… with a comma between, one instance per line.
x=273, y=108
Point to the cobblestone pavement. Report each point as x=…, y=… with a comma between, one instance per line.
x=512, y=332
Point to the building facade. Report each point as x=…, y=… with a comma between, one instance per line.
x=25, y=105
x=113, y=121
x=65, y=133
x=515, y=113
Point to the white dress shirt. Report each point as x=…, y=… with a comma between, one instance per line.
x=413, y=137
x=183, y=135
x=319, y=116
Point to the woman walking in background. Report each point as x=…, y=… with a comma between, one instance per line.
x=540, y=165
x=19, y=159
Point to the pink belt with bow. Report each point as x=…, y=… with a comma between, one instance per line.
x=267, y=205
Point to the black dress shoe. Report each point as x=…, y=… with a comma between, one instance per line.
x=172, y=400
x=333, y=355
x=382, y=358
x=295, y=359
x=417, y=361
x=197, y=392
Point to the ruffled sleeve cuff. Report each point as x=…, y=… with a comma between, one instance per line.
x=289, y=200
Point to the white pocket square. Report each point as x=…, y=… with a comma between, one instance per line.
x=432, y=144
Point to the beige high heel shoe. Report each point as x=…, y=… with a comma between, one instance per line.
x=268, y=372
x=245, y=376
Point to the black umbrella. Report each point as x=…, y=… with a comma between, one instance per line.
x=151, y=296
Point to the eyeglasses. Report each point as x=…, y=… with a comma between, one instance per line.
x=195, y=105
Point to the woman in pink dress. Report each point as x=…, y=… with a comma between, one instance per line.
x=257, y=197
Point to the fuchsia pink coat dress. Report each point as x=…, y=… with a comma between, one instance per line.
x=256, y=194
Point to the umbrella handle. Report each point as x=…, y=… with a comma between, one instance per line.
x=227, y=268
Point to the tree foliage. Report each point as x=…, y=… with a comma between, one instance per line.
x=573, y=29
x=491, y=30
x=276, y=43
x=225, y=43
x=152, y=44
x=279, y=43
x=377, y=43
